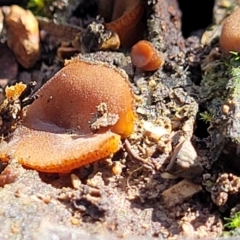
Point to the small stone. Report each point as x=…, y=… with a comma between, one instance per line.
x=117, y=168
x=180, y=192
x=225, y=109
x=75, y=221
x=76, y=182
x=166, y=175
x=154, y=132
x=22, y=35
x=220, y=198
x=184, y=161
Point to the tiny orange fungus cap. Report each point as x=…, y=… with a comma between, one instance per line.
x=146, y=57
x=55, y=134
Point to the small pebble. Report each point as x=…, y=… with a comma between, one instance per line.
x=76, y=182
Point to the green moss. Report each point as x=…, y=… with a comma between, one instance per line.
x=232, y=225
x=206, y=117
x=233, y=222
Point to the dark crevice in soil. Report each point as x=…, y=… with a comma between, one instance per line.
x=201, y=128
x=196, y=15
x=86, y=8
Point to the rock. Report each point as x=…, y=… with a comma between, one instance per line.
x=184, y=161
x=153, y=131
x=179, y=192
x=22, y=35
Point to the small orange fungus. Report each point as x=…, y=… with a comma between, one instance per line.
x=146, y=57
x=230, y=35
x=55, y=134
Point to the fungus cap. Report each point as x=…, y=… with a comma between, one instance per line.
x=146, y=57
x=55, y=135
x=230, y=35
x=128, y=26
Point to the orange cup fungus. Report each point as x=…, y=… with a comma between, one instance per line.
x=230, y=35
x=128, y=26
x=146, y=57
x=55, y=134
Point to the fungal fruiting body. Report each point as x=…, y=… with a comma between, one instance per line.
x=128, y=26
x=145, y=56
x=55, y=134
x=230, y=35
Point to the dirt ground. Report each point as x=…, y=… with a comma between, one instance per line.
x=179, y=187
